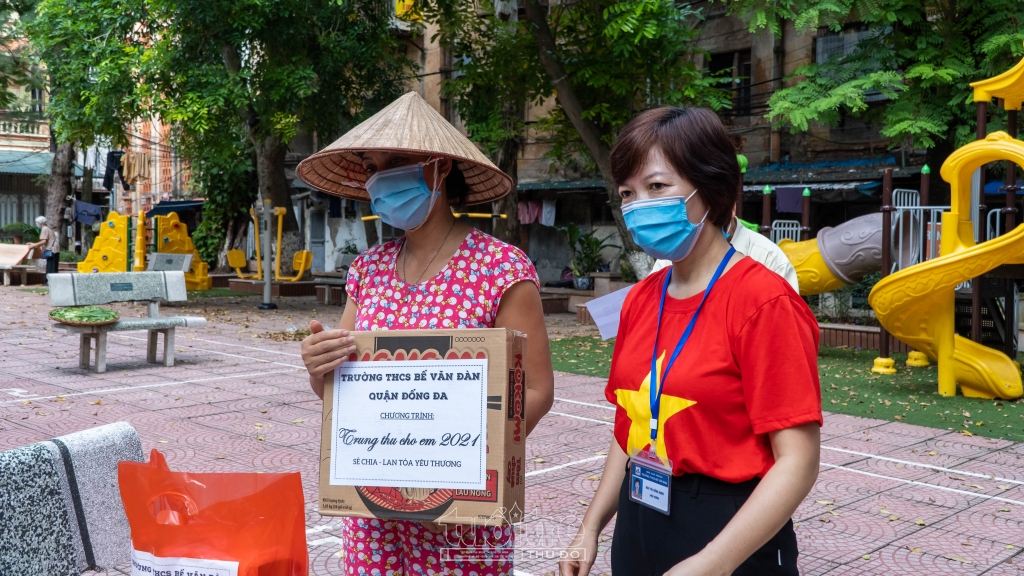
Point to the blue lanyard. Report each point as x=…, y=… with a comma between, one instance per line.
x=657, y=384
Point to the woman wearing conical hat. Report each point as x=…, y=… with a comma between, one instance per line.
x=413, y=166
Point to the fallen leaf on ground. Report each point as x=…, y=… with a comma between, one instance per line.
x=966, y=414
x=966, y=433
x=538, y=460
x=594, y=477
x=551, y=497
x=1004, y=509
x=298, y=421
x=259, y=425
x=833, y=512
x=884, y=511
x=824, y=519
x=919, y=522
x=96, y=402
x=220, y=456
x=260, y=438
x=914, y=550
x=264, y=411
x=898, y=417
x=933, y=453
x=1009, y=546
x=958, y=558
x=888, y=403
x=866, y=556
x=583, y=503
x=162, y=441
x=825, y=502
x=1003, y=487
x=601, y=453
x=956, y=478
x=978, y=487
x=893, y=518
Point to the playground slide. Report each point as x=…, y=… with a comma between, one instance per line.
x=916, y=304
x=838, y=256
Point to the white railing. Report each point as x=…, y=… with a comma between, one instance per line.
x=785, y=229
x=995, y=224
x=916, y=232
x=9, y=127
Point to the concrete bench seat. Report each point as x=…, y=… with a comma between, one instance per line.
x=98, y=289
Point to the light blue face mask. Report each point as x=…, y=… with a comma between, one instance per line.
x=400, y=196
x=660, y=226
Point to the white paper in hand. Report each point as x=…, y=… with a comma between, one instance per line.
x=606, y=311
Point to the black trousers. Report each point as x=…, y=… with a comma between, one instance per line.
x=649, y=543
x=52, y=264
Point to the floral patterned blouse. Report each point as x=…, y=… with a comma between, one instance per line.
x=464, y=294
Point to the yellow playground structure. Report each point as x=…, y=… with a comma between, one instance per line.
x=916, y=304
x=301, y=262
x=171, y=237
x=111, y=248
x=109, y=252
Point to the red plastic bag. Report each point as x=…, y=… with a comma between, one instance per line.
x=213, y=524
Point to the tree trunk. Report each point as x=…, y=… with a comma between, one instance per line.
x=273, y=186
x=222, y=255
x=507, y=230
x=590, y=135
x=59, y=188
x=270, y=153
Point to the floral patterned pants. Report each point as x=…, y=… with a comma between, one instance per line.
x=405, y=548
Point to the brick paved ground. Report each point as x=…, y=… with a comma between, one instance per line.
x=911, y=500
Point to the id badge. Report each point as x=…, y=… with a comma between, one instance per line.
x=650, y=481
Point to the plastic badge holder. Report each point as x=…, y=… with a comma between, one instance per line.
x=220, y=524
x=650, y=481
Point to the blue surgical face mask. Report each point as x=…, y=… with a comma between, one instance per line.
x=660, y=226
x=400, y=196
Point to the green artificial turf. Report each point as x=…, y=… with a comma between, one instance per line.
x=849, y=387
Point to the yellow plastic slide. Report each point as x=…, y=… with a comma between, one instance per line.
x=916, y=303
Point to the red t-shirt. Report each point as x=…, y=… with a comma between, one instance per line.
x=749, y=368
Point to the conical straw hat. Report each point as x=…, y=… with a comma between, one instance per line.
x=408, y=124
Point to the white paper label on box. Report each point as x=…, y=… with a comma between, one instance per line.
x=410, y=424
x=145, y=564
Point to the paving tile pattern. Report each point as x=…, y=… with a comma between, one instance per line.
x=891, y=498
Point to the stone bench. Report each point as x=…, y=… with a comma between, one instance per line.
x=98, y=289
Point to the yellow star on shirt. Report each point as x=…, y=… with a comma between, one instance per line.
x=637, y=404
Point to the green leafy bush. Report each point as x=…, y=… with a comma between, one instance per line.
x=70, y=256
x=26, y=231
x=208, y=239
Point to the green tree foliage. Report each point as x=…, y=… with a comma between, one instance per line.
x=921, y=55
x=602, y=60
x=237, y=80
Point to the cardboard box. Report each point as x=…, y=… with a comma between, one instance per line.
x=501, y=500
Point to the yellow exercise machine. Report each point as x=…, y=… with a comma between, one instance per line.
x=237, y=259
x=301, y=262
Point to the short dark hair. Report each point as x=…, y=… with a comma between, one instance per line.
x=694, y=142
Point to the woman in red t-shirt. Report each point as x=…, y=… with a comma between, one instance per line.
x=706, y=474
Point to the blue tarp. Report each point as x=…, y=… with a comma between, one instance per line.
x=166, y=207
x=994, y=186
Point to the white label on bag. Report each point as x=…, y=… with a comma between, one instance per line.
x=145, y=564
